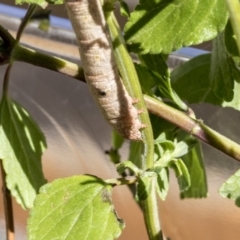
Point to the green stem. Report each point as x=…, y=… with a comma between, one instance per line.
x=8, y=208
x=56, y=64
x=195, y=127
x=234, y=10
x=25, y=21
x=155, y=106
x=131, y=82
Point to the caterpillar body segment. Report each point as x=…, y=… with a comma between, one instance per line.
x=100, y=68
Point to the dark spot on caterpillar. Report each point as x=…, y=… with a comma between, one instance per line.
x=102, y=93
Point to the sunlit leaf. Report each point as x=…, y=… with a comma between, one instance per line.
x=231, y=188
x=78, y=207
x=158, y=26
x=21, y=146
x=162, y=185
x=182, y=174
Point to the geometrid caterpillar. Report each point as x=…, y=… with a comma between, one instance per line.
x=100, y=68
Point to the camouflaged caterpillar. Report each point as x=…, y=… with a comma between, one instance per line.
x=100, y=68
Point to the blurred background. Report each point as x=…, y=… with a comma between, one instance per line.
x=78, y=136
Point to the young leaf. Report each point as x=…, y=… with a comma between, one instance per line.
x=135, y=153
x=231, y=188
x=194, y=163
x=162, y=185
x=21, y=146
x=124, y=10
x=150, y=79
x=221, y=73
x=162, y=26
x=192, y=83
x=78, y=207
x=182, y=174
x=146, y=184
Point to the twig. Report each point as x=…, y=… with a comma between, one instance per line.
x=8, y=210
x=178, y=118
x=25, y=21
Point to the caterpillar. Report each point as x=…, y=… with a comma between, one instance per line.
x=100, y=68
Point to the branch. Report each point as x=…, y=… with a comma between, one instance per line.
x=8, y=210
x=178, y=118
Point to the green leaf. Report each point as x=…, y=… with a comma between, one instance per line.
x=146, y=184
x=192, y=83
x=221, y=73
x=150, y=79
x=146, y=77
x=162, y=185
x=136, y=153
x=156, y=63
x=194, y=163
x=22, y=144
x=230, y=42
x=117, y=140
x=182, y=174
x=124, y=9
x=121, y=167
x=163, y=26
x=78, y=207
x=231, y=188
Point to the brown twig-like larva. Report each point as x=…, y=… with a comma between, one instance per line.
x=100, y=68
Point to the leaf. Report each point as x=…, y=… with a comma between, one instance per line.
x=22, y=144
x=231, y=188
x=181, y=173
x=78, y=207
x=150, y=79
x=136, y=152
x=124, y=9
x=163, y=26
x=117, y=140
x=146, y=77
x=156, y=63
x=191, y=82
x=194, y=163
x=221, y=72
x=146, y=184
x=162, y=185
x=230, y=43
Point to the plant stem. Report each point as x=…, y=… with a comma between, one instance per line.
x=157, y=107
x=195, y=127
x=56, y=64
x=234, y=10
x=8, y=210
x=131, y=82
x=25, y=21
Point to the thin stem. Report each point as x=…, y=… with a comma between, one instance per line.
x=122, y=181
x=6, y=79
x=25, y=21
x=155, y=106
x=234, y=10
x=8, y=210
x=56, y=64
x=195, y=127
